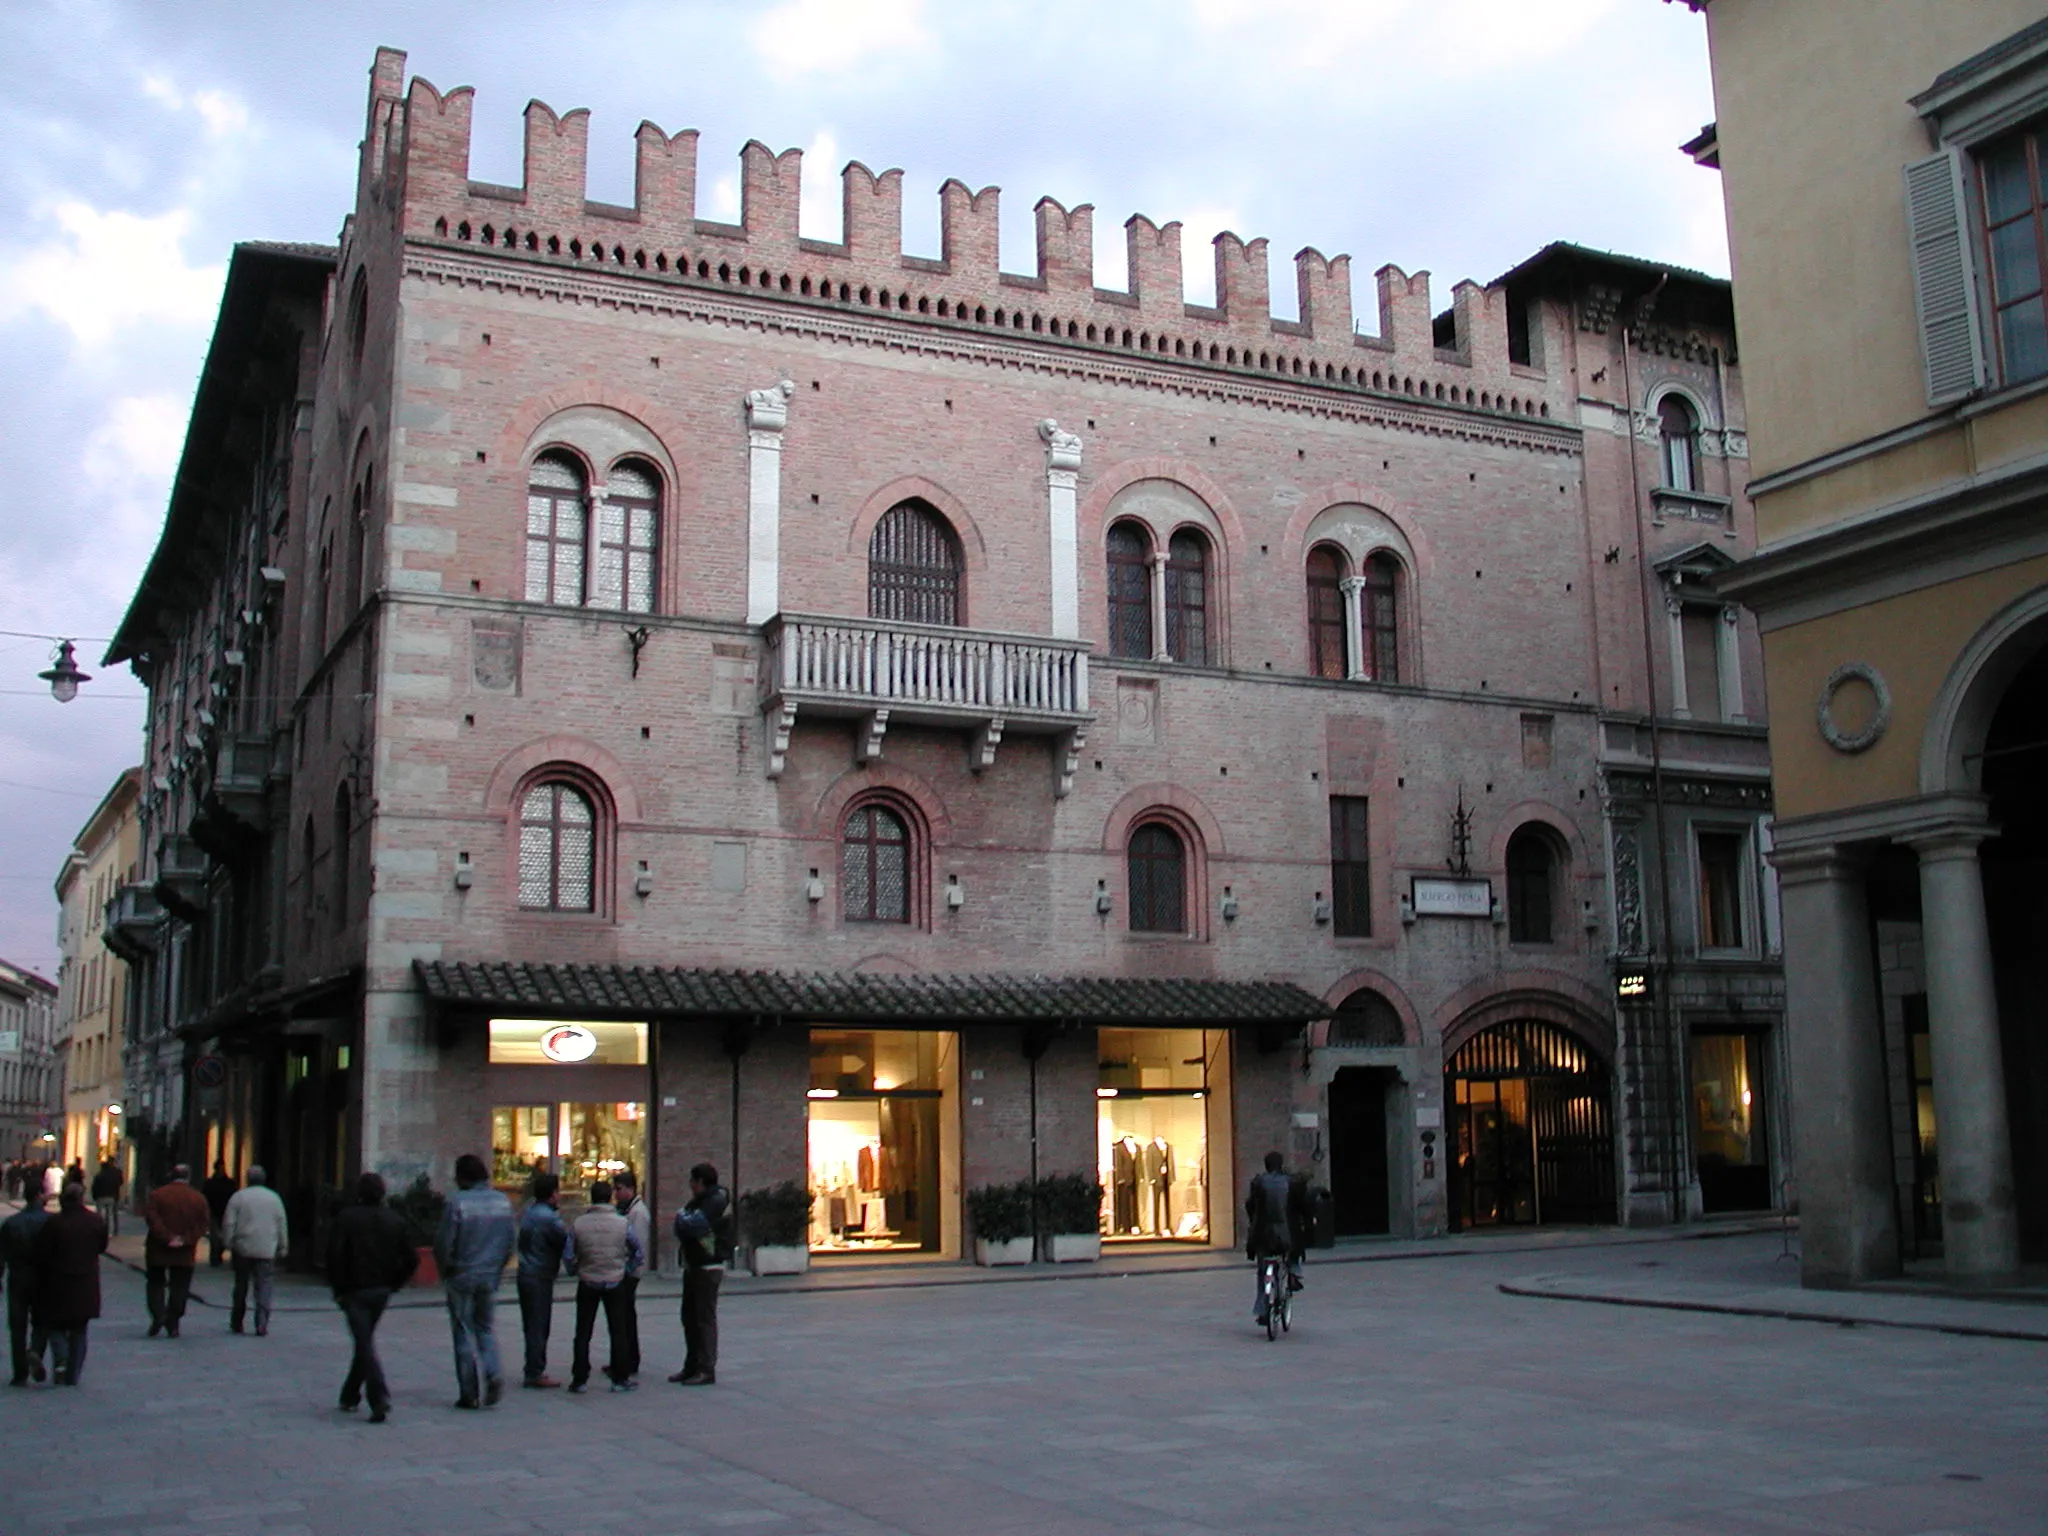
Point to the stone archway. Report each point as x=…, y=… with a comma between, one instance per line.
x=1531, y=1106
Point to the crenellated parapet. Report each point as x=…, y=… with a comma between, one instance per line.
x=416, y=155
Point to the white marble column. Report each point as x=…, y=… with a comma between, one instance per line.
x=1848, y=1217
x=1159, y=652
x=1353, y=588
x=767, y=415
x=1674, y=610
x=1979, y=1225
x=1062, y=474
x=1728, y=663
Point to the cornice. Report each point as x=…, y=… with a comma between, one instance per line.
x=824, y=320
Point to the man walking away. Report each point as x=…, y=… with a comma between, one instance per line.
x=17, y=1249
x=106, y=1195
x=601, y=1253
x=66, y=1254
x=704, y=1229
x=369, y=1255
x=476, y=1239
x=177, y=1217
x=255, y=1228
x=541, y=1236
x=626, y=1194
x=218, y=1189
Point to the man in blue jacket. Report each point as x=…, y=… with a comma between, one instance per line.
x=25, y=1336
x=541, y=1236
x=476, y=1239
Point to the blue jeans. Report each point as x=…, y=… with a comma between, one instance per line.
x=536, y=1321
x=476, y=1344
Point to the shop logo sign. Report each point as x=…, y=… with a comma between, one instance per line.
x=568, y=1043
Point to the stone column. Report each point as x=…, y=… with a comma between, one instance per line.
x=1353, y=588
x=1728, y=663
x=1848, y=1213
x=1979, y=1226
x=767, y=415
x=1681, y=705
x=1062, y=473
x=1159, y=651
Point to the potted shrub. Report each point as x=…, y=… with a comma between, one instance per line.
x=1070, y=1217
x=420, y=1207
x=775, y=1229
x=1001, y=1217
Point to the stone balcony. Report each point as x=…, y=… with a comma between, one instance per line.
x=234, y=811
x=182, y=871
x=134, y=922
x=881, y=673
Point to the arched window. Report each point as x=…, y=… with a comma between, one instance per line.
x=555, y=529
x=557, y=849
x=1379, y=618
x=1326, y=612
x=1187, y=598
x=1366, y=1018
x=914, y=567
x=628, y=531
x=1130, y=591
x=1158, y=866
x=343, y=816
x=359, y=583
x=1532, y=880
x=874, y=866
x=1680, y=433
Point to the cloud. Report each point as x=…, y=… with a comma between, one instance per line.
x=829, y=37
x=822, y=215
x=223, y=115
x=140, y=439
x=108, y=271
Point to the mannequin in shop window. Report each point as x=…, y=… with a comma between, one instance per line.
x=1158, y=1158
x=1125, y=1155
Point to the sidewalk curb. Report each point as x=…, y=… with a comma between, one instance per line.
x=1781, y=1314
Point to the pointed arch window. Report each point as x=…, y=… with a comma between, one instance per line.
x=1379, y=618
x=1158, y=877
x=874, y=866
x=1679, y=431
x=557, y=512
x=1129, y=579
x=1187, y=598
x=557, y=849
x=914, y=567
x=628, y=535
x=1326, y=612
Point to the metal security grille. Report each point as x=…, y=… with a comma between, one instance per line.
x=914, y=567
x=1325, y=612
x=557, y=850
x=1365, y=1018
x=1158, y=881
x=1534, y=1128
x=874, y=867
x=628, y=527
x=555, y=518
x=1187, y=599
x=1130, y=592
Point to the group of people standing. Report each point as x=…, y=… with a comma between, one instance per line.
x=607, y=1247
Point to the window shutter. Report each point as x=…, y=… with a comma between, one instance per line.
x=1944, y=280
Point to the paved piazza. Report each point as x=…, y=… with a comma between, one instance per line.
x=1412, y=1397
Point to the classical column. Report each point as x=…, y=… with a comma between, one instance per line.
x=1728, y=663
x=1681, y=706
x=1353, y=588
x=1062, y=472
x=1848, y=1213
x=767, y=415
x=1979, y=1227
x=1159, y=652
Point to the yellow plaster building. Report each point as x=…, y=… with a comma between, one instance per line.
x=92, y=981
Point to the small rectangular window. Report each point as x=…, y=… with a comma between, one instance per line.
x=1700, y=630
x=1720, y=890
x=1350, y=868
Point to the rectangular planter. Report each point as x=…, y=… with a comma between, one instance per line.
x=1016, y=1250
x=776, y=1260
x=1073, y=1247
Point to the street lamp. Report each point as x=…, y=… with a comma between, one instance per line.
x=64, y=677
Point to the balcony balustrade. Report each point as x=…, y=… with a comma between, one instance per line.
x=883, y=673
x=134, y=922
x=182, y=869
x=234, y=811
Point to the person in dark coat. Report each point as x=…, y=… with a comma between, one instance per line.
x=106, y=1195
x=705, y=1231
x=17, y=1248
x=177, y=1217
x=369, y=1255
x=66, y=1254
x=219, y=1189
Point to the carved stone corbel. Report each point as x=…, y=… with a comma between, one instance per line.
x=1066, y=761
x=981, y=752
x=867, y=741
x=780, y=723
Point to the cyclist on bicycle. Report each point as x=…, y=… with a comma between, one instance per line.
x=1277, y=1225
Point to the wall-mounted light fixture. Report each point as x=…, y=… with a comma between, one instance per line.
x=1103, y=902
x=1228, y=905
x=1319, y=909
x=1497, y=910
x=814, y=888
x=643, y=882
x=1407, y=911
x=465, y=872
x=956, y=894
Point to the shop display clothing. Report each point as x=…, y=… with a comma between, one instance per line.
x=1123, y=1183
x=1156, y=1157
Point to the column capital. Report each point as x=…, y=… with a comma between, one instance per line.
x=1062, y=449
x=1350, y=586
x=1956, y=838
x=1818, y=863
x=768, y=409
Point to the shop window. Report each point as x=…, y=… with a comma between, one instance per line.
x=1350, y=868
x=628, y=535
x=914, y=567
x=1326, y=648
x=556, y=511
x=1129, y=579
x=1187, y=598
x=1679, y=432
x=875, y=865
x=1158, y=870
x=1152, y=1131
x=1720, y=858
x=557, y=849
x=880, y=1142
x=1729, y=1145
x=1379, y=618
x=1532, y=879
x=580, y=1143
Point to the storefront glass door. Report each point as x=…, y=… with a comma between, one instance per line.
x=1730, y=1150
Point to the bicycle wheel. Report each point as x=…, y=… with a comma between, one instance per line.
x=1286, y=1312
x=1275, y=1300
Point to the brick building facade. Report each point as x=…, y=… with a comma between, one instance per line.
x=924, y=725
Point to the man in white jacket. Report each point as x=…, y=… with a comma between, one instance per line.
x=253, y=1227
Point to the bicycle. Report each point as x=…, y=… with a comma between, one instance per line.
x=1275, y=1295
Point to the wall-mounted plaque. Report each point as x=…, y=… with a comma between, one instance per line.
x=1451, y=896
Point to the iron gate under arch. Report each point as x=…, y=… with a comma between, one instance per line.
x=1532, y=1127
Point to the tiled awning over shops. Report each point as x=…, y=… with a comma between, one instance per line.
x=664, y=992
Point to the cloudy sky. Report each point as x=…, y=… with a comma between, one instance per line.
x=146, y=138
